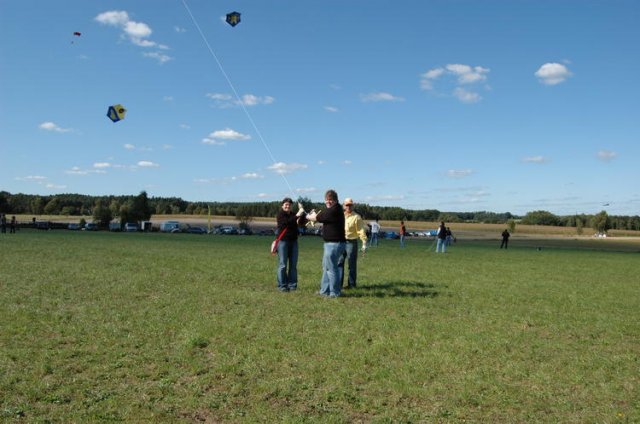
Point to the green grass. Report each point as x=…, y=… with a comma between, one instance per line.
x=184, y=328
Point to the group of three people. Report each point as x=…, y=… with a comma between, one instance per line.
x=341, y=229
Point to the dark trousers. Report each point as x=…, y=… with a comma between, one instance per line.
x=350, y=257
x=505, y=243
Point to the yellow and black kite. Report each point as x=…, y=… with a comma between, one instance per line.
x=116, y=112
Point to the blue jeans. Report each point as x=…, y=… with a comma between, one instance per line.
x=351, y=256
x=374, y=239
x=330, y=282
x=441, y=244
x=287, y=255
x=401, y=240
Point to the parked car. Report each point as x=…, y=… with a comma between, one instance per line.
x=42, y=225
x=131, y=227
x=428, y=233
x=227, y=230
x=115, y=226
x=90, y=226
x=391, y=235
x=74, y=227
x=195, y=230
x=170, y=227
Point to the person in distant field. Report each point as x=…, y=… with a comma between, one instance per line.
x=403, y=233
x=449, y=237
x=375, y=229
x=333, y=234
x=12, y=225
x=3, y=223
x=441, y=245
x=505, y=239
x=288, y=222
x=354, y=229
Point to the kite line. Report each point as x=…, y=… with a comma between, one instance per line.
x=235, y=93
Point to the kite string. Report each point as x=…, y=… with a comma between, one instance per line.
x=235, y=93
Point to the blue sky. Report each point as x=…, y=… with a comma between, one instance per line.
x=457, y=105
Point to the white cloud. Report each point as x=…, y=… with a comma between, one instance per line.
x=217, y=138
x=331, y=109
x=41, y=180
x=50, y=126
x=53, y=186
x=347, y=162
x=179, y=29
x=114, y=18
x=251, y=176
x=224, y=100
x=286, y=168
x=251, y=100
x=384, y=198
x=466, y=96
x=459, y=173
x=552, y=73
x=76, y=171
x=606, y=155
x=102, y=165
x=147, y=164
x=138, y=33
x=306, y=190
x=219, y=96
x=129, y=146
x=467, y=74
x=185, y=126
x=380, y=97
x=32, y=178
x=160, y=57
x=535, y=159
x=136, y=30
x=461, y=75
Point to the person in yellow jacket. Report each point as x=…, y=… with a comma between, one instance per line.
x=354, y=229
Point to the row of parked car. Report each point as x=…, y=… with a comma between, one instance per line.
x=114, y=226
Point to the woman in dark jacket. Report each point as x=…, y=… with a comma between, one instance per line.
x=288, y=222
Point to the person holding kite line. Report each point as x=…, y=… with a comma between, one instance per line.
x=332, y=219
x=288, y=222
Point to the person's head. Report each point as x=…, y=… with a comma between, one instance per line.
x=348, y=205
x=286, y=204
x=330, y=198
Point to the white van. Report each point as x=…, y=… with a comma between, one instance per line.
x=170, y=227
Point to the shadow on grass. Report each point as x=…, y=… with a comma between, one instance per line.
x=394, y=289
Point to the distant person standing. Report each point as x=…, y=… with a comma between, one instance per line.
x=375, y=229
x=288, y=222
x=403, y=233
x=333, y=234
x=449, y=236
x=442, y=238
x=12, y=225
x=3, y=223
x=354, y=229
x=505, y=239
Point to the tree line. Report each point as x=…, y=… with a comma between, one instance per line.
x=104, y=209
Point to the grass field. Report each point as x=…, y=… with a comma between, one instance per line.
x=182, y=328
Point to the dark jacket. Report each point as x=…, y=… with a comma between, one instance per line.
x=332, y=220
x=289, y=220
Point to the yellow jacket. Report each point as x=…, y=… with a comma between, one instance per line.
x=354, y=227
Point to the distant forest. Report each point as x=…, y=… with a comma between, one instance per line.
x=140, y=207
